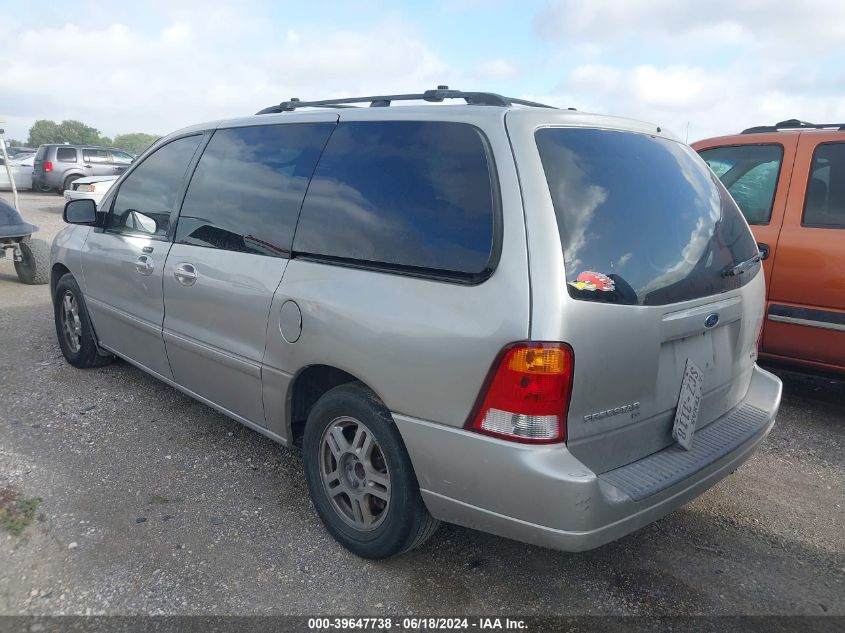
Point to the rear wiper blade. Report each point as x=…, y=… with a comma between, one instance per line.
x=741, y=267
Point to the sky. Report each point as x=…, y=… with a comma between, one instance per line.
x=697, y=68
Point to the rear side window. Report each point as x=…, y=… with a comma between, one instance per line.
x=66, y=154
x=148, y=195
x=96, y=156
x=641, y=218
x=407, y=194
x=121, y=158
x=824, y=204
x=248, y=187
x=750, y=173
x=41, y=153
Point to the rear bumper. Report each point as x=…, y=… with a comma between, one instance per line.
x=544, y=495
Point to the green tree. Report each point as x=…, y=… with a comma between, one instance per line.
x=43, y=131
x=135, y=143
x=72, y=131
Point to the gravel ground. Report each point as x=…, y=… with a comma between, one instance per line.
x=154, y=503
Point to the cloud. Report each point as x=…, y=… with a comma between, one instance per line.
x=191, y=66
x=718, y=67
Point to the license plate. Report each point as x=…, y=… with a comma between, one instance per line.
x=688, y=403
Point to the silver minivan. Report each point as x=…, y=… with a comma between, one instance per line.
x=535, y=322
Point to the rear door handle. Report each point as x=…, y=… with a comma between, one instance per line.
x=144, y=265
x=186, y=274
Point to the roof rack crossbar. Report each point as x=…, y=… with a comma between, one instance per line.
x=432, y=96
x=793, y=124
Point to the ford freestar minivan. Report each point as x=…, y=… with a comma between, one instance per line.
x=535, y=322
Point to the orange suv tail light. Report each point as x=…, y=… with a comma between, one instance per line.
x=526, y=395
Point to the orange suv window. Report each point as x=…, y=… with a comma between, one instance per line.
x=824, y=204
x=750, y=174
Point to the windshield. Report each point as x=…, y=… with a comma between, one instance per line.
x=642, y=220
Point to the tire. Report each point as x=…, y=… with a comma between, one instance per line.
x=399, y=523
x=42, y=187
x=34, y=268
x=67, y=184
x=85, y=353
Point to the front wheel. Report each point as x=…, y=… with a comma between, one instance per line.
x=34, y=267
x=360, y=476
x=73, y=326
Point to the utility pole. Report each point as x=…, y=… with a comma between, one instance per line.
x=8, y=167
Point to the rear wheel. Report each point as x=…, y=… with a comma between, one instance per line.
x=34, y=267
x=360, y=476
x=68, y=184
x=42, y=187
x=73, y=326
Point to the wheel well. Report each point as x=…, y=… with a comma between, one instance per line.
x=307, y=388
x=55, y=274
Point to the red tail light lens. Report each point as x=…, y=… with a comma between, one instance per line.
x=48, y=165
x=526, y=396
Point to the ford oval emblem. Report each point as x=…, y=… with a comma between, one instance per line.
x=711, y=320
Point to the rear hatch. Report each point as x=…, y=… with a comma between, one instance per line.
x=651, y=244
x=40, y=157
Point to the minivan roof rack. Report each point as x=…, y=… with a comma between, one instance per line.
x=793, y=124
x=434, y=96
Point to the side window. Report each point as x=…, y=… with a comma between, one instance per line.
x=121, y=158
x=95, y=156
x=148, y=195
x=248, y=187
x=750, y=174
x=824, y=203
x=402, y=193
x=66, y=154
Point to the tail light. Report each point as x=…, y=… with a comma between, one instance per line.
x=526, y=395
x=91, y=188
x=48, y=165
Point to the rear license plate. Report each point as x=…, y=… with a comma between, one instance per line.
x=688, y=403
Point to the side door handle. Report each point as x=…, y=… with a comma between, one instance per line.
x=144, y=265
x=186, y=274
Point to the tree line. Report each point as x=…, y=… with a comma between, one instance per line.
x=76, y=132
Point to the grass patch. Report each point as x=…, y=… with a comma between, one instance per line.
x=16, y=511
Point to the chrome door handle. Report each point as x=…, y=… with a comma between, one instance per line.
x=144, y=265
x=186, y=274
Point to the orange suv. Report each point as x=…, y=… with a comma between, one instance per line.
x=789, y=182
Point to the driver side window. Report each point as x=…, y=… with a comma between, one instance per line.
x=147, y=197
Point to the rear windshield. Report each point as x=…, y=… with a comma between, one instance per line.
x=642, y=220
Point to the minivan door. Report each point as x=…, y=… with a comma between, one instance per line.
x=232, y=246
x=656, y=281
x=123, y=262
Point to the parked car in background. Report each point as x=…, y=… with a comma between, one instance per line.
x=92, y=188
x=499, y=314
x=57, y=166
x=789, y=181
x=21, y=167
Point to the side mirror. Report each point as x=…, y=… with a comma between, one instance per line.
x=764, y=250
x=80, y=212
